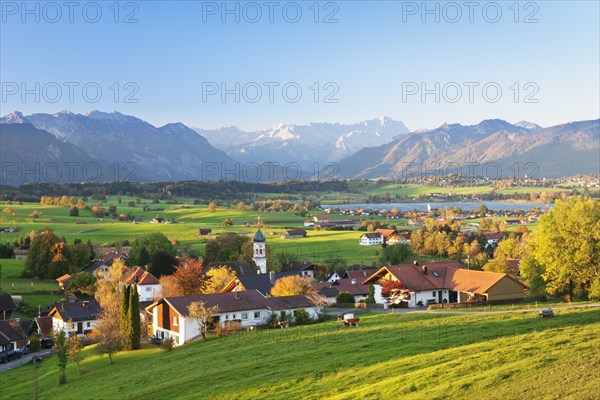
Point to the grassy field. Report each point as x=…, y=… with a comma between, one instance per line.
x=34, y=291
x=318, y=246
x=410, y=356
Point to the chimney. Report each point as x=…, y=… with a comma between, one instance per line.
x=415, y=262
x=353, y=281
x=424, y=267
x=272, y=277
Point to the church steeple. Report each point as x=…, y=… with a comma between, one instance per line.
x=260, y=252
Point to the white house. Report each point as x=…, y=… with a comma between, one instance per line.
x=148, y=285
x=371, y=239
x=76, y=318
x=445, y=282
x=250, y=308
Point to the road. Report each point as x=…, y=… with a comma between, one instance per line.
x=24, y=360
x=336, y=311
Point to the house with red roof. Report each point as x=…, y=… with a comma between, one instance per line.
x=446, y=282
x=148, y=285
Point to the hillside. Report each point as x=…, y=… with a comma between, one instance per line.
x=412, y=356
x=550, y=152
x=38, y=150
x=170, y=152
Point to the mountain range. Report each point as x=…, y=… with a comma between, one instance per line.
x=304, y=144
x=378, y=148
x=492, y=148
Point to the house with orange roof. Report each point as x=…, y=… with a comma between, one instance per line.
x=446, y=282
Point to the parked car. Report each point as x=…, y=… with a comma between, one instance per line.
x=47, y=343
x=10, y=355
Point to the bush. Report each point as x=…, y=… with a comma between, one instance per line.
x=371, y=297
x=168, y=344
x=344, y=297
x=303, y=317
x=35, y=344
x=273, y=321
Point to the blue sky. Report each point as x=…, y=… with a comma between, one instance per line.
x=370, y=57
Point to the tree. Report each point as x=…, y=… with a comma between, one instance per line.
x=153, y=243
x=163, y=263
x=567, y=244
x=216, y=279
x=302, y=317
x=371, y=297
x=75, y=347
x=7, y=250
x=60, y=342
x=202, y=315
x=344, y=297
x=74, y=212
x=125, y=325
x=83, y=282
x=134, y=318
x=292, y=285
x=395, y=254
x=212, y=206
x=188, y=276
x=394, y=292
x=106, y=332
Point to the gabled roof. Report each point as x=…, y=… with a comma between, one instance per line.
x=493, y=235
x=140, y=276
x=441, y=275
x=44, y=325
x=7, y=303
x=288, y=302
x=372, y=235
x=299, y=266
x=346, y=285
x=9, y=332
x=227, y=302
x=262, y=282
x=78, y=311
x=386, y=233
x=64, y=278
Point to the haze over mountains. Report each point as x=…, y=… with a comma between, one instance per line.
x=371, y=149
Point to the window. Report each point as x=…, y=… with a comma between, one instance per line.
x=175, y=320
x=256, y=314
x=88, y=324
x=148, y=289
x=226, y=316
x=433, y=293
x=244, y=315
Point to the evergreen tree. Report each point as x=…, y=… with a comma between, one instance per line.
x=134, y=317
x=125, y=322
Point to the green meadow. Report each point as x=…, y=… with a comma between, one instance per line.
x=389, y=356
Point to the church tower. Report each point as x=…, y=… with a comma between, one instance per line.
x=260, y=252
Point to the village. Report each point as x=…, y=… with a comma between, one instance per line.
x=247, y=302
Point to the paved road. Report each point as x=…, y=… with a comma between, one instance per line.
x=335, y=311
x=24, y=360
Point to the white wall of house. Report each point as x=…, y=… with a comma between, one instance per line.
x=189, y=327
x=365, y=241
x=71, y=329
x=148, y=292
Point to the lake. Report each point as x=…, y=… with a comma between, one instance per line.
x=464, y=205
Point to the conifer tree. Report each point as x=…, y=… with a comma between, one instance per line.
x=134, y=317
x=125, y=322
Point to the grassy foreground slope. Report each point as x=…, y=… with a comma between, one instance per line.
x=412, y=356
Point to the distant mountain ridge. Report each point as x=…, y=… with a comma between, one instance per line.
x=304, y=144
x=378, y=148
x=561, y=150
x=170, y=152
